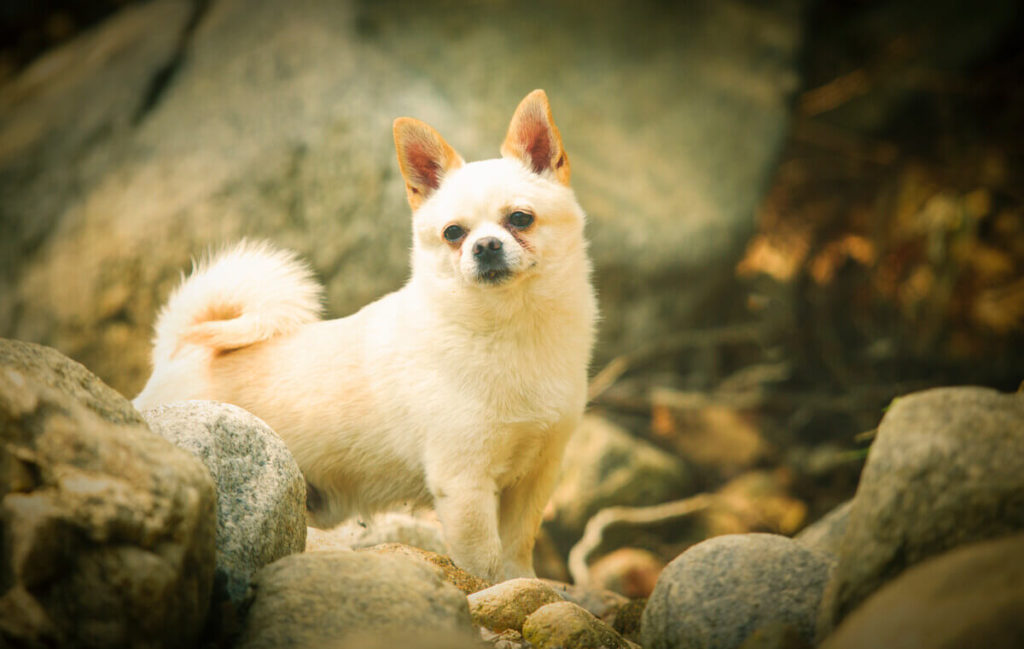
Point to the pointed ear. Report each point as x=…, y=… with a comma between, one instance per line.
x=424, y=158
x=534, y=139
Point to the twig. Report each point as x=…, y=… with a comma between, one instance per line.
x=593, y=533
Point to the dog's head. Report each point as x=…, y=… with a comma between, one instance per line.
x=494, y=222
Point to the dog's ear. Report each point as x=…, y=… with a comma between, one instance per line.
x=424, y=158
x=534, y=139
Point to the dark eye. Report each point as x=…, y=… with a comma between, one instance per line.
x=453, y=233
x=520, y=219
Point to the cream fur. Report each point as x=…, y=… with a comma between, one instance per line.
x=450, y=391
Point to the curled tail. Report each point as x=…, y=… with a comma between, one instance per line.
x=242, y=295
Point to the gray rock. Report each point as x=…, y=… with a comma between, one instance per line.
x=826, y=534
x=606, y=466
x=320, y=599
x=108, y=528
x=277, y=124
x=261, y=494
x=564, y=624
x=506, y=605
x=946, y=468
x=719, y=592
x=970, y=597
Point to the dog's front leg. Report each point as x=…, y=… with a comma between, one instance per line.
x=521, y=509
x=467, y=507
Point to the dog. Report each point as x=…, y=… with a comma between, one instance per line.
x=459, y=390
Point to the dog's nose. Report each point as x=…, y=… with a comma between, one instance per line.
x=487, y=248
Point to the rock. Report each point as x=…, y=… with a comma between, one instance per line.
x=719, y=592
x=325, y=598
x=108, y=528
x=946, y=468
x=606, y=466
x=626, y=620
x=243, y=120
x=391, y=527
x=54, y=370
x=507, y=605
x=826, y=534
x=969, y=597
x=629, y=571
x=777, y=636
x=261, y=494
x=564, y=624
x=507, y=639
x=411, y=639
x=451, y=573
x=601, y=603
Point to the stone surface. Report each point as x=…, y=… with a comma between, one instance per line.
x=420, y=531
x=626, y=620
x=826, y=534
x=261, y=494
x=601, y=603
x=778, y=636
x=450, y=572
x=606, y=466
x=629, y=571
x=507, y=605
x=564, y=624
x=108, y=528
x=970, y=597
x=719, y=592
x=190, y=129
x=320, y=599
x=946, y=468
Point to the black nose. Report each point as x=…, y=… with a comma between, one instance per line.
x=487, y=248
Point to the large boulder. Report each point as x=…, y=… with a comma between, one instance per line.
x=181, y=129
x=108, y=528
x=946, y=468
x=261, y=494
x=719, y=592
x=970, y=597
x=330, y=598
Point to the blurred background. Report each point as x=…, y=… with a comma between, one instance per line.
x=799, y=210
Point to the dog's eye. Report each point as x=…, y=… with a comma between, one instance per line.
x=453, y=233
x=520, y=219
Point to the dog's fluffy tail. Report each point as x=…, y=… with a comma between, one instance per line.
x=242, y=295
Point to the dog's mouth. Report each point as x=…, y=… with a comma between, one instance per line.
x=494, y=275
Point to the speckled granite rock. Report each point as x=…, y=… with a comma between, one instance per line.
x=946, y=468
x=719, y=592
x=261, y=494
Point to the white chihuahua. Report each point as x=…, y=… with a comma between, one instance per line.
x=460, y=390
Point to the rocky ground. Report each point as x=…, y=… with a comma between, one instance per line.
x=184, y=526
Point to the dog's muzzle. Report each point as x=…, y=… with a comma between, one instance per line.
x=491, y=264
